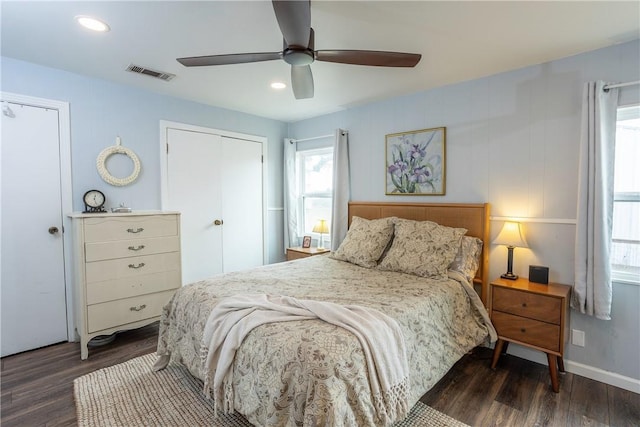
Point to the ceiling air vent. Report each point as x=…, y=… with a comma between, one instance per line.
x=151, y=73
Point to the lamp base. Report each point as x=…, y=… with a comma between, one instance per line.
x=509, y=276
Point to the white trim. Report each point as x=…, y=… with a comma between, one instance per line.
x=603, y=376
x=165, y=125
x=576, y=368
x=66, y=189
x=570, y=221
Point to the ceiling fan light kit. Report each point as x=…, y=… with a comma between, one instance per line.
x=294, y=19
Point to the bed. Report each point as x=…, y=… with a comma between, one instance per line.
x=313, y=372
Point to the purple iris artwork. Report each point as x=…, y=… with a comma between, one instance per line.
x=415, y=162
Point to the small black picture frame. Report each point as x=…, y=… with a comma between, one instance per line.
x=306, y=242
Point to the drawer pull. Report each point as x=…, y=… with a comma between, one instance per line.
x=523, y=330
x=137, y=266
x=524, y=304
x=136, y=248
x=137, y=230
x=138, y=308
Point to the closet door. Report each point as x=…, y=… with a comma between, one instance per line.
x=242, y=204
x=216, y=184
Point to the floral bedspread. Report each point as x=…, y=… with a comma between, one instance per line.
x=312, y=373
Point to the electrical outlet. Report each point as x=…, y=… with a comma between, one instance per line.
x=577, y=337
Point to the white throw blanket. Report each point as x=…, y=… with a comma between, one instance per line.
x=380, y=336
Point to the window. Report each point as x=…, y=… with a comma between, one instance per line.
x=625, y=249
x=314, y=177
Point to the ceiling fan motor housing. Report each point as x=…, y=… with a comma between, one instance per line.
x=298, y=56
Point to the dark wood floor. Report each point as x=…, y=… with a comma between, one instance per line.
x=37, y=388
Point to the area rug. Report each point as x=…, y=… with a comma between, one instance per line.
x=131, y=394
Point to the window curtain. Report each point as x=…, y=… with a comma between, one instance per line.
x=592, y=289
x=290, y=196
x=341, y=189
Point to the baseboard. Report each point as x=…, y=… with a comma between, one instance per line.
x=597, y=374
x=606, y=377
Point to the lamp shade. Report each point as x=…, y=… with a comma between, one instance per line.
x=511, y=235
x=321, y=227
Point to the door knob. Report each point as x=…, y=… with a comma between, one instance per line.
x=53, y=230
x=218, y=222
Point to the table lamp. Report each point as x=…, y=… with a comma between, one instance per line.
x=322, y=228
x=511, y=236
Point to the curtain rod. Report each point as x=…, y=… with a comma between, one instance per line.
x=315, y=137
x=607, y=87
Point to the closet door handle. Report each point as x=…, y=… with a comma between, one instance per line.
x=218, y=222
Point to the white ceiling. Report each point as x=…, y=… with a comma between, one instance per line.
x=458, y=41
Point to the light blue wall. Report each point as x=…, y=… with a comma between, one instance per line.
x=101, y=110
x=512, y=141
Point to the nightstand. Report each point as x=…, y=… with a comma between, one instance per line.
x=299, y=252
x=533, y=315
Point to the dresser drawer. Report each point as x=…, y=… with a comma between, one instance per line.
x=123, y=311
x=110, y=290
x=127, y=248
x=134, y=267
x=534, y=332
x=107, y=229
x=534, y=306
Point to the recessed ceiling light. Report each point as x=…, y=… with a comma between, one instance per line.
x=278, y=85
x=92, y=23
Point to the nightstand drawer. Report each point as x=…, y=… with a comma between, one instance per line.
x=527, y=304
x=529, y=331
x=291, y=255
x=297, y=253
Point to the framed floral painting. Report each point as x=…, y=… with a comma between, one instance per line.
x=415, y=163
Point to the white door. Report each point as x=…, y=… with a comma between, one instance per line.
x=32, y=283
x=216, y=184
x=242, y=204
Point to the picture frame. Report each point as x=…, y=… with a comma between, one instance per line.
x=415, y=163
x=306, y=242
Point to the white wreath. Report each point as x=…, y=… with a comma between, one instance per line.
x=108, y=152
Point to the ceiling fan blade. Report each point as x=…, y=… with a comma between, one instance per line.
x=369, y=57
x=302, y=81
x=236, y=58
x=294, y=19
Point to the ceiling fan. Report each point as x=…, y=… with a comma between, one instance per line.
x=294, y=19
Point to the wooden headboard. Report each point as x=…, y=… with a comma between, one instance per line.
x=472, y=216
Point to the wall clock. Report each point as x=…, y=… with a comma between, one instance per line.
x=94, y=201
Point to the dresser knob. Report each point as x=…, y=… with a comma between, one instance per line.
x=137, y=266
x=523, y=330
x=524, y=304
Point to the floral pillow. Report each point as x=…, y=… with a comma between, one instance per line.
x=365, y=241
x=467, y=259
x=423, y=248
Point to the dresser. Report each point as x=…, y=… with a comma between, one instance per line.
x=127, y=267
x=300, y=252
x=533, y=315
